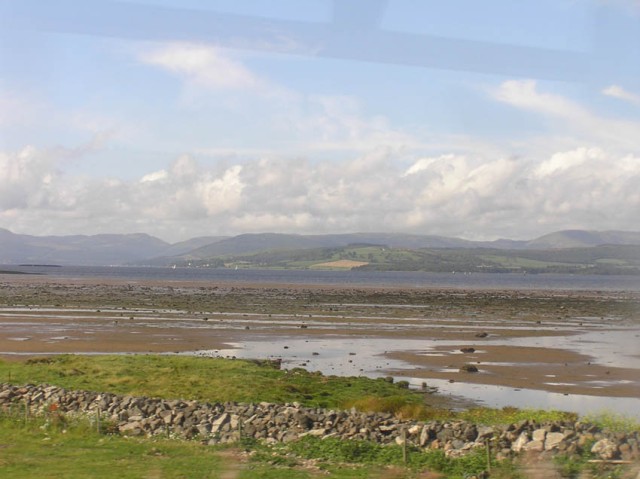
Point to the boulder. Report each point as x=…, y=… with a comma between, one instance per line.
x=605, y=449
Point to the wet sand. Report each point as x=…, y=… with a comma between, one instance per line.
x=585, y=343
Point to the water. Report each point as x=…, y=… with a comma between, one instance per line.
x=332, y=356
x=405, y=279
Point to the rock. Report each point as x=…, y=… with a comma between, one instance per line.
x=536, y=446
x=605, y=449
x=6, y=394
x=539, y=435
x=131, y=429
x=468, y=368
x=468, y=350
x=425, y=436
x=519, y=443
x=553, y=440
x=484, y=432
x=469, y=433
x=482, y=335
x=289, y=422
x=457, y=444
x=219, y=423
x=436, y=444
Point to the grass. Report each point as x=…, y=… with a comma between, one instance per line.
x=222, y=380
x=204, y=379
x=613, y=422
x=41, y=447
x=511, y=415
x=72, y=449
x=332, y=455
x=38, y=449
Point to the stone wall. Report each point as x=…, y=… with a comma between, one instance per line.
x=220, y=423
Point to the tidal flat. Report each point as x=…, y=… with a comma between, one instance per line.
x=572, y=350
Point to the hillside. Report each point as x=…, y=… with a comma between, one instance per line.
x=557, y=251
x=607, y=259
x=103, y=249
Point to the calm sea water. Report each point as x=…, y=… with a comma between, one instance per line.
x=355, y=278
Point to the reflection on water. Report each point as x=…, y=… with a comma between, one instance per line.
x=365, y=357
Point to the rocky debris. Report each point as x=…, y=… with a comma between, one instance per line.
x=468, y=368
x=221, y=423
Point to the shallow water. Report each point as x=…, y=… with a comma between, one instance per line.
x=334, y=358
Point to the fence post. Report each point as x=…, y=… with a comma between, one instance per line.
x=404, y=445
x=488, y=448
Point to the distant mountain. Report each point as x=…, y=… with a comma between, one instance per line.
x=187, y=246
x=246, y=245
x=581, y=238
x=103, y=249
x=256, y=243
x=142, y=249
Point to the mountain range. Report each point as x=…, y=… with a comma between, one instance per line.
x=143, y=249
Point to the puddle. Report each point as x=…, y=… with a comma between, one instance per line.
x=331, y=356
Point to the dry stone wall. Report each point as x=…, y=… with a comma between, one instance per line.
x=227, y=422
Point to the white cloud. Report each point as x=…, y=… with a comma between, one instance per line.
x=524, y=94
x=155, y=176
x=566, y=161
x=338, y=123
x=223, y=193
x=448, y=194
x=570, y=117
x=376, y=182
x=202, y=65
x=622, y=94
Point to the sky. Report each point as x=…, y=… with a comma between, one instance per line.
x=481, y=120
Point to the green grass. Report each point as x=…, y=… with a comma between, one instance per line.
x=332, y=455
x=204, y=379
x=37, y=449
x=511, y=415
x=41, y=448
x=72, y=449
x=613, y=422
x=222, y=380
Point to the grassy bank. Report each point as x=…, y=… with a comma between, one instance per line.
x=57, y=446
x=222, y=380
x=204, y=379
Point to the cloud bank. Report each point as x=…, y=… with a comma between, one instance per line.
x=449, y=194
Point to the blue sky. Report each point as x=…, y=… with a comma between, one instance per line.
x=188, y=118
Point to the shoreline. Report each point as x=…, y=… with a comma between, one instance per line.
x=555, y=341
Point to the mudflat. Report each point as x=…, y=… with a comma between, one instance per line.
x=570, y=342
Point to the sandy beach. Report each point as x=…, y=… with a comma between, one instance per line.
x=585, y=343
